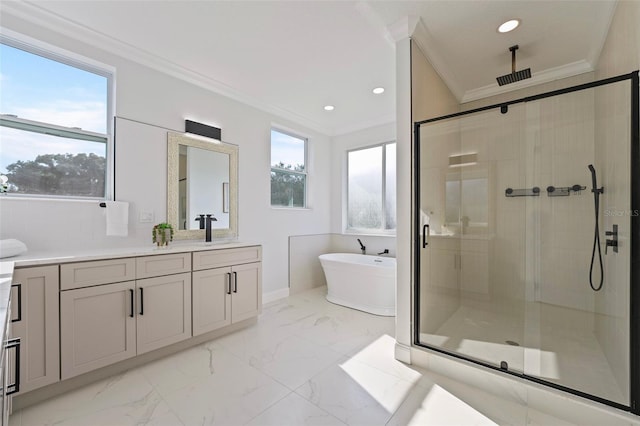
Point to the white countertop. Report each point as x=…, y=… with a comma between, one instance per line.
x=6, y=276
x=36, y=258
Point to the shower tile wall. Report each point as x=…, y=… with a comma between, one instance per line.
x=532, y=153
x=564, y=147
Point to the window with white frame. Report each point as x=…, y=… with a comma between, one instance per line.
x=288, y=170
x=54, y=133
x=371, y=189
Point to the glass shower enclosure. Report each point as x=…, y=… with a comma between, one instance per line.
x=524, y=256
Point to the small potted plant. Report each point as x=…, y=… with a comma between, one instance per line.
x=162, y=234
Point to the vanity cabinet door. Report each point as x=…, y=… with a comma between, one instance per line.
x=246, y=295
x=164, y=311
x=34, y=312
x=211, y=299
x=98, y=327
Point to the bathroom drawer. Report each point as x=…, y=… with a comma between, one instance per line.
x=163, y=264
x=219, y=258
x=85, y=274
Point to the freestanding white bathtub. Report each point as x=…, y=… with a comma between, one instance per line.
x=366, y=283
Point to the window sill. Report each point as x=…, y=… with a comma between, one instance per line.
x=368, y=234
x=52, y=198
x=291, y=208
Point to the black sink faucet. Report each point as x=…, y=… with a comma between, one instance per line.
x=207, y=233
x=362, y=247
x=201, y=220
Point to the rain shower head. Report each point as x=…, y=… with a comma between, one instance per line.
x=515, y=75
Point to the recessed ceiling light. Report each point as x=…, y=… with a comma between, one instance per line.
x=329, y=107
x=378, y=90
x=510, y=25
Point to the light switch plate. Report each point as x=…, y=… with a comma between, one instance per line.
x=146, y=217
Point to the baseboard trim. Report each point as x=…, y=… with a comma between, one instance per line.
x=403, y=353
x=274, y=295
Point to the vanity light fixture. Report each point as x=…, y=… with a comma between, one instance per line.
x=199, y=129
x=509, y=25
x=378, y=90
x=202, y=138
x=329, y=107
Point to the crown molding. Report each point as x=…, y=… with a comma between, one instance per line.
x=34, y=14
x=551, y=74
x=404, y=28
x=604, y=26
x=425, y=42
x=366, y=124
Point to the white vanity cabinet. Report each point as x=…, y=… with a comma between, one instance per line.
x=103, y=323
x=74, y=318
x=34, y=319
x=227, y=287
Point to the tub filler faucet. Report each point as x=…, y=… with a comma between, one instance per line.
x=363, y=249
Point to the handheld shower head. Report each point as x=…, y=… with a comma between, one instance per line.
x=594, y=181
x=594, y=185
x=596, y=232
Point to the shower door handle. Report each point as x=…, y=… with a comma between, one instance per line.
x=425, y=231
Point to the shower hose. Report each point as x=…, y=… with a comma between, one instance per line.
x=596, y=243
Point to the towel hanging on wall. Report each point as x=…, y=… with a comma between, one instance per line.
x=117, y=215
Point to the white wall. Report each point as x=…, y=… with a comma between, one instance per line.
x=305, y=271
x=304, y=268
x=149, y=96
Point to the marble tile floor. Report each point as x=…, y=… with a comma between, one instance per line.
x=306, y=362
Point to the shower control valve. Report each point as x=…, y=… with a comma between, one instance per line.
x=613, y=242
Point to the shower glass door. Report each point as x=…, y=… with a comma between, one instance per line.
x=505, y=225
x=472, y=264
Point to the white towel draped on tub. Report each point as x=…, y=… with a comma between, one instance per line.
x=117, y=214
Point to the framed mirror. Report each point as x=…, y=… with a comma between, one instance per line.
x=202, y=178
